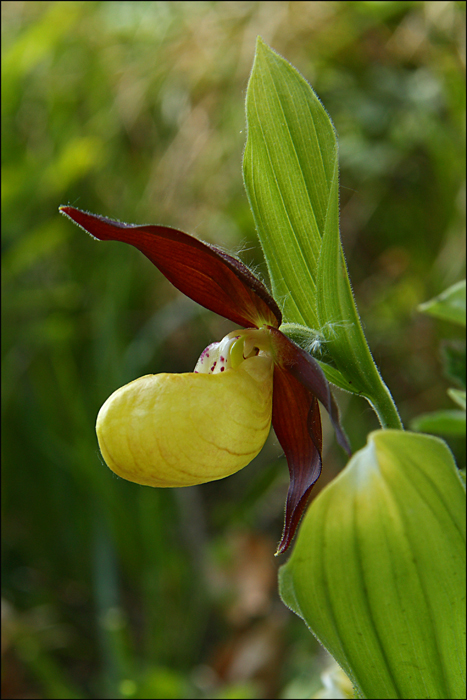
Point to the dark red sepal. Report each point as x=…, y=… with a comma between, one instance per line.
x=297, y=424
x=308, y=372
x=204, y=273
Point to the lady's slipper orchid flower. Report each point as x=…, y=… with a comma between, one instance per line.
x=183, y=429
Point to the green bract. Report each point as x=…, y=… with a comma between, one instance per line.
x=378, y=570
x=291, y=178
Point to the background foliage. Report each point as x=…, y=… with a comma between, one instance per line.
x=135, y=110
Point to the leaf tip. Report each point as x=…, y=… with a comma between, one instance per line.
x=263, y=49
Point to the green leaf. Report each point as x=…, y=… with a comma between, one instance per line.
x=289, y=165
x=457, y=396
x=453, y=354
x=340, y=323
x=290, y=168
x=449, y=305
x=446, y=422
x=378, y=570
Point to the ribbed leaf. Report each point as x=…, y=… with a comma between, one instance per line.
x=340, y=323
x=378, y=570
x=291, y=178
x=288, y=166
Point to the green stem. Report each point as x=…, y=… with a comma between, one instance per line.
x=385, y=408
x=381, y=400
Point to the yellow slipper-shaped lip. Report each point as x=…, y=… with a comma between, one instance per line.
x=185, y=429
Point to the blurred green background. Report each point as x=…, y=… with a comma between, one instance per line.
x=135, y=110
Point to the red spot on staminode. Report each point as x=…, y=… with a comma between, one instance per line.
x=222, y=369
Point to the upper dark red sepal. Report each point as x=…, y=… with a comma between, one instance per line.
x=204, y=273
x=297, y=424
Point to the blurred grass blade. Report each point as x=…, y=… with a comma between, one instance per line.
x=449, y=305
x=291, y=177
x=378, y=570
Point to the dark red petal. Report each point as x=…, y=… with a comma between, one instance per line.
x=297, y=423
x=204, y=273
x=308, y=372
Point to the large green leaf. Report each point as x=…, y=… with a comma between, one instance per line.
x=378, y=570
x=291, y=177
x=449, y=305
